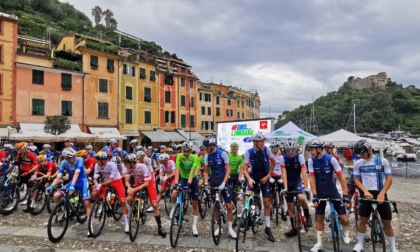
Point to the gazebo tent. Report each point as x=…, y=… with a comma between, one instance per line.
x=289, y=131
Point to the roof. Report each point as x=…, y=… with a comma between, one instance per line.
x=191, y=135
x=176, y=136
x=106, y=133
x=157, y=135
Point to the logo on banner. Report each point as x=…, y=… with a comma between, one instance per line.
x=241, y=130
x=263, y=124
x=281, y=133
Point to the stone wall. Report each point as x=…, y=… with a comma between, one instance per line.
x=373, y=81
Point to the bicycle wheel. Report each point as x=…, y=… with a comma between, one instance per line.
x=81, y=211
x=167, y=200
x=117, y=209
x=9, y=199
x=335, y=226
x=176, y=225
x=40, y=202
x=58, y=222
x=134, y=221
x=298, y=226
x=377, y=234
x=202, y=203
x=50, y=201
x=276, y=207
x=241, y=231
x=97, y=218
x=216, y=223
x=356, y=208
x=23, y=192
x=185, y=203
x=256, y=217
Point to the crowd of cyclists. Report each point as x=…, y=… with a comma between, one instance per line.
x=210, y=168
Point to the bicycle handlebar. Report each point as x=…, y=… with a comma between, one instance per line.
x=394, y=203
x=329, y=199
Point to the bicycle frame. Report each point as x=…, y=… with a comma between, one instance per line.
x=333, y=211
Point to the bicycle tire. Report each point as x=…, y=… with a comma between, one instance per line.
x=134, y=221
x=60, y=210
x=356, y=209
x=277, y=205
x=377, y=234
x=41, y=198
x=216, y=212
x=143, y=213
x=99, y=213
x=176, y=221
x=255, y=219
x=50, y=202
x=334, y=232
x=202, y=204
x=185, y=203
x=5, y=197
x=298, y=226
x=117, y=209
x=81, y=211
x=241, y=229
x=24, y=188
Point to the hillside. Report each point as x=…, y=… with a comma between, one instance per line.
x=51, y=19
x=377, y=109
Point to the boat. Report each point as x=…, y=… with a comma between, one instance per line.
x=407, y=157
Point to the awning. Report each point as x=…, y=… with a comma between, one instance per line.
x=175, y=136
x=130, y=133
x=193, y=136
x=4, y=132
x=75, y=133
x=156, y=136
x=33, y=131
x=106, y=133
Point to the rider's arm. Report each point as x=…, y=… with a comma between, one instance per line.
x=178, y=168
x=312, y=176
x=337, y=170
x=246, y=161
x=303, y=171
x=283, y=171
x=225, y=158
x=206, y=169
x=192, y=171
x=388, y=176
x=127, y=181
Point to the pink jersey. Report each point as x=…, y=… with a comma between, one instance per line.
x=140, y=173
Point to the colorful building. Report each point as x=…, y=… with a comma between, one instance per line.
x=209, y=108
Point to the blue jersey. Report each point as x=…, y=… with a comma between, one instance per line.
x=72, y=168
x=91, y=155
x=216, y=162
x=323, y=169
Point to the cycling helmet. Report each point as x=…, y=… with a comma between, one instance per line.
x=40, y=158
x=315, y=143
x=89, y=147
x=275, y=144
x=116, y=159
x=81, y=153
x=169, y=149
x=178, y=147
x=138, y=148
x=117, y=151
x=21, y=146
x=130, y=158
x=258, y=137
x=134, y=141
x=202, y=147
x=112, y=141
x=9, y=146
x=328, y=144
x=290, y=144
x=68, y=153
x=162, y=147
x=234, y=146
x=33, y=148
x=361, y=147
x=140, y=154
x=101, y=155
x=46, y=146
x=209, y=142
x=186, y=145
x=150, y=147
x=67, y=140
x=163, y=157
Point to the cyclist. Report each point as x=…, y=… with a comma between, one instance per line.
x=236, y=169
x=294, y=171
x=170, y=152
x=200, y=170
x=186, y=178
x=218, y=161
x=47, y=152
x=90, y=152
x=143, y=159
x=141, y=174
x=28, y=162
x=88, y=163
x=73, y=166
x=166, y=174
x=178, y=149
x=5, y=158
x=111, y=148
x=329, y=149
x=151, y=153
x=43, y=170
x=111, y=176
x=34, y=149
x=133, y=144
x=369, y=172
x=68, y=144
x=276, y=175
x=262, y=165
x=321, y=170
x=120, y=165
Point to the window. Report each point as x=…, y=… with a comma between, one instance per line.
x=217, y=111
x=110, y=65
x=237, y=104
x=152, y=75
x=103, y=110
x=208, y=111
x=239, y=115
x=37, y=77
x=142, y=73
x=103, y=86
x=205, y=97
x=167, y=97
x=192, y=121
x=242, y=115
x=66, y=81
x=228, y=102
x=191, y=84
x=129, y=70
x=147, y=94
x=38, y=107
x=183, y=121
x=203, y=110
x=93, y=61
x=147, y=117
x=243, y=104
x=183, y=100
x=169, y=117
x=133, y=71
x=128, y=116
x=66, y=108
x=192, y=102
x=229, y=112
x=206, y=125
x=129, y=93
x=182, y=82
x=169, y=80
x=217, y=100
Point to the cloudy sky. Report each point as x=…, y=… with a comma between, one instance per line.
x=290, y=51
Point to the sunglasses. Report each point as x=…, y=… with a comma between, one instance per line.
x=290, y=149
x=186, y=151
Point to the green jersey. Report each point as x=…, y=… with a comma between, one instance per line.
x=201, y=161
x=235, y=161
x=186, y=164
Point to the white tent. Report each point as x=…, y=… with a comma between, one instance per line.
x=289, y=131
x=340, y=138
x=76, y=134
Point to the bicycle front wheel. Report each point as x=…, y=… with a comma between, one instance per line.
x=377, y=234
x=176, y=224
x=134, y=220
x=356, y=209
x=117, y=209
x=58, y=222
x=335, y=227
x=277, y=206
x=97, y=218
x=298, y=226
x=202, y=203
x=40, y=202
x=9, y=199
x=167, y=200
x=241, y=231
x=216, y=224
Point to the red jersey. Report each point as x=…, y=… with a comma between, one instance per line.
x=3, y=154
x=48, y=167
x=348, y=155
x=172, y=157
x=89, y=163
x=28, y=161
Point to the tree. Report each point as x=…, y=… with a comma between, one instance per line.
x=109, y=16
x=113, y=24
x=97, y=14
x=56, y=124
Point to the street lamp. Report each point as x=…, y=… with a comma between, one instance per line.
x=8, y=133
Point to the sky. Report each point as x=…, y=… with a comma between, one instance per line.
x=289, y=51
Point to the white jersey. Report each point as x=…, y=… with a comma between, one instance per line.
x=148, y=162
x=372, y=172
x=140, y=173
x=277, y=168
x=109, y=171
x=168, y=168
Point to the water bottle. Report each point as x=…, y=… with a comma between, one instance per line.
x=112, y=198
x=108, y=197
x=76, y=200
x=252, y=209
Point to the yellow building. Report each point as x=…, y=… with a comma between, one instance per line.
x=209, y=106
x=8, y=44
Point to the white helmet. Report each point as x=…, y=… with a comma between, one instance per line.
x=138, y=148
x=290, y=144
x=163, y=157
x=258, y=137
x=68, y=153
x=9, y=146
x=89, y=147
x=116, y=159
x=140, y=154
x=134, y=141
x=33, y=148
x=112, y=141
x=46, y=146
x=187, y=145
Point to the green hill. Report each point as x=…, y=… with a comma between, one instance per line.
x=377, y=110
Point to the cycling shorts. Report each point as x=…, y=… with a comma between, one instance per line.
x=194, y=187
x=82, y=186
x=265, y=189
x=293, y=185
x=279, y=186
x=165, y=184
x=151, y=191
x=384, y=209
x=118, y=187
x=329, y=192
x=226, y=193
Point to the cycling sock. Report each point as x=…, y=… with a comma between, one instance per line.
x=360, y=238
x=158, y=221
x=306, y=212
x=391, y=240
x=292, y=222
x=195, y=220
x=267, y=221
x=230, y=224
x=126, y=219
x=319, y=237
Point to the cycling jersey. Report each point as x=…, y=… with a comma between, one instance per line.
x=323, y=169
x=235, y=161
x=49, y=155
x=217, y=161
x=28, y=161
x=372, y=172
x=168, y=168
x=338, y=159
x=293, y=166
x=48, y=167
x=277, y=168
x=91, y=154
x=259, y=161
x=140, y=173
x=108, y=171
x=89, y=163
x=71, y=168
x=186, y=164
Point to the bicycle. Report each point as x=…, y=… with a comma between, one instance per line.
x=7, y=163
x=251, y=215
x=334, y=224
x=108, y=204
x=167, y=198
x=377, y=234
x=138, y=213
x=66, y=210
x=41, y=199
x=219, y=214
x=204, y=202
x=278, y=208
x=9, y=196
x=178, y=216
x=299, y=219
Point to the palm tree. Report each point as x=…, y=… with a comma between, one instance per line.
x=113, y=24
x=97, y=13
x=109, y=15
